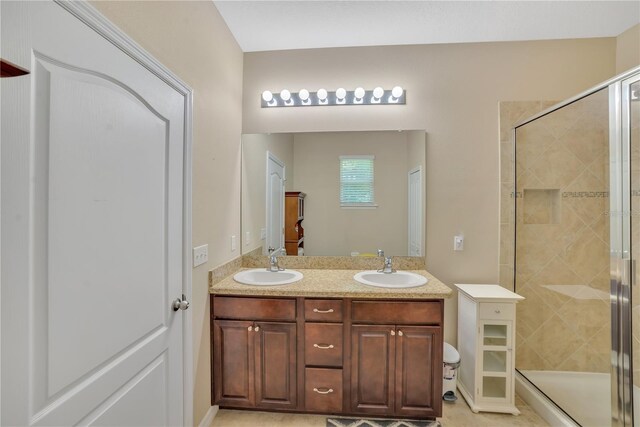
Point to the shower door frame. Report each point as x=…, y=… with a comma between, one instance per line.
x=621, y=261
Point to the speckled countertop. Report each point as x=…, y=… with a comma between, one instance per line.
x=335, y=284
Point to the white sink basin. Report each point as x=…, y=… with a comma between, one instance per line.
x=263, y=277
x=399, y=279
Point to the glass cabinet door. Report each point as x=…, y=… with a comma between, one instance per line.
x=495, y=360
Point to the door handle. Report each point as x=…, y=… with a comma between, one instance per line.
x=315, y=310
x=180, y=304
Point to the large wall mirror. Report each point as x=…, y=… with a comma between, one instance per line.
x=334, y=193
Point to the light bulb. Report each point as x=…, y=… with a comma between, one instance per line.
x=322, y=94
x=359, y=93
x=267, y=96
x=378, y=92
x=397, y=92
x=303, y=94
x=341, y=93
x=285, y=95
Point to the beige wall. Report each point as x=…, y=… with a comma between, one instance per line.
x=192, y=40
x=453, y=91
x=254, y=174
x=628, y=49
x=332, y=230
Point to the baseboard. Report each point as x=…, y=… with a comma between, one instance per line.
x=542, y=404
x=209, y=416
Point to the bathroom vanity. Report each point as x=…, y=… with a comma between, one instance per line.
x=328, y=344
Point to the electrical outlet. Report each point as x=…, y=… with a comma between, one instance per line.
x=263, y=233
x=233, y=243
x=458, y=243
x=200, y=255
x=247, y=237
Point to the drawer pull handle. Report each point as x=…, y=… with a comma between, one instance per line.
x=323, y=346
x=315, y=310
x=323, y=390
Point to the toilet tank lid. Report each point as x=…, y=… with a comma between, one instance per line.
x=450, y=354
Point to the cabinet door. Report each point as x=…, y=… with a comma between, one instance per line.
x=418, y=371
x=275, y=365
x=495, y=361
x=372, y=369
x=233, y=363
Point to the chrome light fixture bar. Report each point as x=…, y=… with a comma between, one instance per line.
x=341, y=96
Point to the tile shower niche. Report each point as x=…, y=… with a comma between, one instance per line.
x=541, y=206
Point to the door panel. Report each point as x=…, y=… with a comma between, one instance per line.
x=417, y=356
x=372, y=369
x=99, y=213
x=415, y=212
x=92, y=191
x=275, y=204
x=276, y=365
x=234, y=363
x=147, y=389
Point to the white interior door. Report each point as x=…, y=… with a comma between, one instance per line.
x=415, y=212
x=92, y=228
x=275, y=204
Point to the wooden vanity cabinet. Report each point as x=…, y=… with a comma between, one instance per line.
x=396, y=366
x=335, y=356
x=254, y=360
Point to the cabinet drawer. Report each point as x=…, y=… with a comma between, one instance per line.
x=254, y=308
x=405, y=313
x=323, y=344
x=323, y=390
x=497, y=310
x=323, y=310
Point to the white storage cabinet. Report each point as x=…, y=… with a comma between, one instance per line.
x=486, y=343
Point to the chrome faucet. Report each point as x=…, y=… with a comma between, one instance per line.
x=273, y=264
x=380, y=252
x=387, y=269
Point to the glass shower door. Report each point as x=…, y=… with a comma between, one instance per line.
x=630, y=128
x=562, y=256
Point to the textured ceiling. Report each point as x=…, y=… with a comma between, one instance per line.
x=277, y=25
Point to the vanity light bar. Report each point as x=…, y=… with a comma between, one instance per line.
x=341, y=96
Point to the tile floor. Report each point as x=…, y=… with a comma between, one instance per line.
x=455, y=414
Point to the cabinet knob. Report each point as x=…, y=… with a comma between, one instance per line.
x=393, y=332
x=250, y=328
x=497, y=311
x=323, y=346
x=323, y=390
x=317, y=310
x=400, y=333
x=257, y=328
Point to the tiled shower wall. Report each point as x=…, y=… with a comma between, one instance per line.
x=562, y=233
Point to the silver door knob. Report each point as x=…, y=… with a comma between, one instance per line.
x=180, y=304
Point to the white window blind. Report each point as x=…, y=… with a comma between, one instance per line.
x=356, y=181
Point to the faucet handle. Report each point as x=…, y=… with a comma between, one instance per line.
x=270, y=250
x=380, y=252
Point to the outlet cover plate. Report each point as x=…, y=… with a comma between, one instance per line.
x=200, y=255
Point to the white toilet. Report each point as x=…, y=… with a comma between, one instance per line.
x=451, y=361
